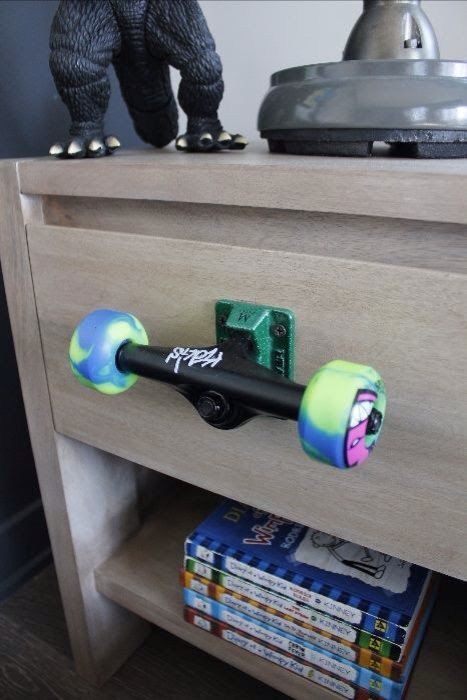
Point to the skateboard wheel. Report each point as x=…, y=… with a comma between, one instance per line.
x=94, y=346
x=341, y=413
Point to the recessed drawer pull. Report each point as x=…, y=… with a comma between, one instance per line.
x=339, y=413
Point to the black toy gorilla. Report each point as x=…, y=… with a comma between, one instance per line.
x=142, y=38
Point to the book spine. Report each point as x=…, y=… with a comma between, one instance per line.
x=270, y=616
x=300, y=612
x=348, y=613
x=347, y=651
x=283, y=660
x=303, y=651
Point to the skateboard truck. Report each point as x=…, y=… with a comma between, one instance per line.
x=245, y=374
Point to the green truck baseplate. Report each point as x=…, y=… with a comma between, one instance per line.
x=270, y=331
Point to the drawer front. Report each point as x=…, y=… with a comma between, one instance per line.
x=408, y=499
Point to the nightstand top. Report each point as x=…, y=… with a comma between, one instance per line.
x=431, y=190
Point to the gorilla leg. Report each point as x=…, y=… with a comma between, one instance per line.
x=144, y=79
x=176, y=31
x=83, y=39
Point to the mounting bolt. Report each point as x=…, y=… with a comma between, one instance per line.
x=279, y=330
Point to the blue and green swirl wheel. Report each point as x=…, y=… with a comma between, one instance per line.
x=341, y=413
x=94, y=346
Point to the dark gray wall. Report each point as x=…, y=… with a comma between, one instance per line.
x=31, y=118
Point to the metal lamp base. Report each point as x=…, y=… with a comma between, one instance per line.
x=413, y=143
x=419, y=107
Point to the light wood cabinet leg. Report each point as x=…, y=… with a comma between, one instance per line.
x=85, y=523
x=101, y=502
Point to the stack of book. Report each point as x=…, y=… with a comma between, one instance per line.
x=341, y=615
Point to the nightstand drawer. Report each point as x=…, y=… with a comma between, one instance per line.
x=407, y=499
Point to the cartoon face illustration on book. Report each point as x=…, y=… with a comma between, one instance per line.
x=342, y=557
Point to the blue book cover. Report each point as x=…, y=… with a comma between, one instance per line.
x=331, y=663
x=350, y=582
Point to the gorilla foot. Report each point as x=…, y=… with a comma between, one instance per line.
x=207, y=135
x=82, y=147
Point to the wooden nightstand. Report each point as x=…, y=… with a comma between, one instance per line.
x=371, y=257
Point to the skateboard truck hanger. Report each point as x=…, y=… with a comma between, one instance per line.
x=245, y=374
x=391, y=86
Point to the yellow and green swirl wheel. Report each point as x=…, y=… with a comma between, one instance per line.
x=341, y=413
x=94, y=346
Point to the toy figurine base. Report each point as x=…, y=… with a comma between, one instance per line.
x=417, y=106
x=414, y=143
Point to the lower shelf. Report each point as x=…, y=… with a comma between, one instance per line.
x=143, y=577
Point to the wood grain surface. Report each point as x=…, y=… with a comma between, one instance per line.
x=404, y=188
x=406, y=322
x=402, y=242
x=60, y=467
